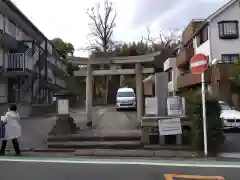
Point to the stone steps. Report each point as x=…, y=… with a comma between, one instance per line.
x=79, y=137
x=95, y=145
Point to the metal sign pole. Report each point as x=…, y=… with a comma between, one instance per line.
x=204, y=115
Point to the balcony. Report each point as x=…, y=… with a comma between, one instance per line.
x=10, y=29
x=21, y=36
x=60, y=82
x=184, y=57
x=56, y=64
x=190, y=29
x=189, y=79
x=1, y=22
x=169, y=63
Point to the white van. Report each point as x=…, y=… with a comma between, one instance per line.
x=126, y=99
x=230, y=116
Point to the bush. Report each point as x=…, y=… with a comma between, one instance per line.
x=215, y=134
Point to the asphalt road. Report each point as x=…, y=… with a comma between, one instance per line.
x=103, y=169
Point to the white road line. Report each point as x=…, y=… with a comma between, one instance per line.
x=124, y=162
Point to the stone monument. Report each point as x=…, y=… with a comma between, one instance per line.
x=64, y=122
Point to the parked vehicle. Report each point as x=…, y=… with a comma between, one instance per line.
x=230, y=116
x=126, y=99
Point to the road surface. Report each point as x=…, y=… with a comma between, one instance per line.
x=28, y=168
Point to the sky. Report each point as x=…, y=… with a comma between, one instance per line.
x=69, y=21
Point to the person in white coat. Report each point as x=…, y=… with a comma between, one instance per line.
x=12, y=129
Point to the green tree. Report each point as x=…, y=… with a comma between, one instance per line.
x=215, y=134
x=65, y=49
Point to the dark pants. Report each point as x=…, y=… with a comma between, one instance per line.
x=15, y=145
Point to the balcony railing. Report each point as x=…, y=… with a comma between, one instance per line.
x=190, y=79
x=20, y=61
x=11, y=29
x=1, y=21
x=60, y=82
x=21, y=36
x=184, y=57
x=14, y=61
x=57, y=62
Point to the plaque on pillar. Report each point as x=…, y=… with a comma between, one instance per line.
x=64, y=122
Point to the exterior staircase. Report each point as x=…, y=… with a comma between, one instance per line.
x=31, y=61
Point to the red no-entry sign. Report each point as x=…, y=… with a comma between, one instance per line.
x=199, y=63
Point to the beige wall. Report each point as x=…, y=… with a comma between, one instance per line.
x=148, y=88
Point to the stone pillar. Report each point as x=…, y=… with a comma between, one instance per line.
x=179, y=139
x=161, y=92
x=139, y=89
x=89, y=94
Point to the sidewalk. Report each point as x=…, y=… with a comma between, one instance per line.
x=35, y=130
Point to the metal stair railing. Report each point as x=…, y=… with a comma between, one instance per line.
x=24, y=88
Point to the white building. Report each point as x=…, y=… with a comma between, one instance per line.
x=218, y=36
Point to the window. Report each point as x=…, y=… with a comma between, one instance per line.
x=230, y=58
x=202, y=37
x=170, y=93
x=126, y=94
x=170, y=75
x=218, y=86
x=228, y=30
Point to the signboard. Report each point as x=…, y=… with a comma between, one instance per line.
x=176, y=106
x=63, y=107
x=170, y=126
x=151, y=106
x=198, y=63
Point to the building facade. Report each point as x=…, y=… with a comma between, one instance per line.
x=218, y=38
x=173, y=74
x=31, y=68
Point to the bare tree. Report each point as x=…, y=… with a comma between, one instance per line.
x=163, y=41
x=102, y=26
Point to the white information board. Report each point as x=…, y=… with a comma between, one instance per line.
x=176, y=106
x=63, y=106
x=170, y=126
x=151, y=106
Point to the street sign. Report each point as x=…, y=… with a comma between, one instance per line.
x=199, y=63
x=170, y=126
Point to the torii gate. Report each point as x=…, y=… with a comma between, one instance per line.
x=139, y=70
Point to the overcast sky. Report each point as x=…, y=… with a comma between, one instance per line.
x=68, y=19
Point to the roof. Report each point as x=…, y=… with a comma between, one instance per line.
x=10, y=4
x=149, y=78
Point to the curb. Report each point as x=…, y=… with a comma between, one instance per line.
x=112, y=153
x=45, y=150
x=133, y=153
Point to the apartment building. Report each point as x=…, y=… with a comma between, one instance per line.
x=173, y=73
x=218, y=38
x=31, y=68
